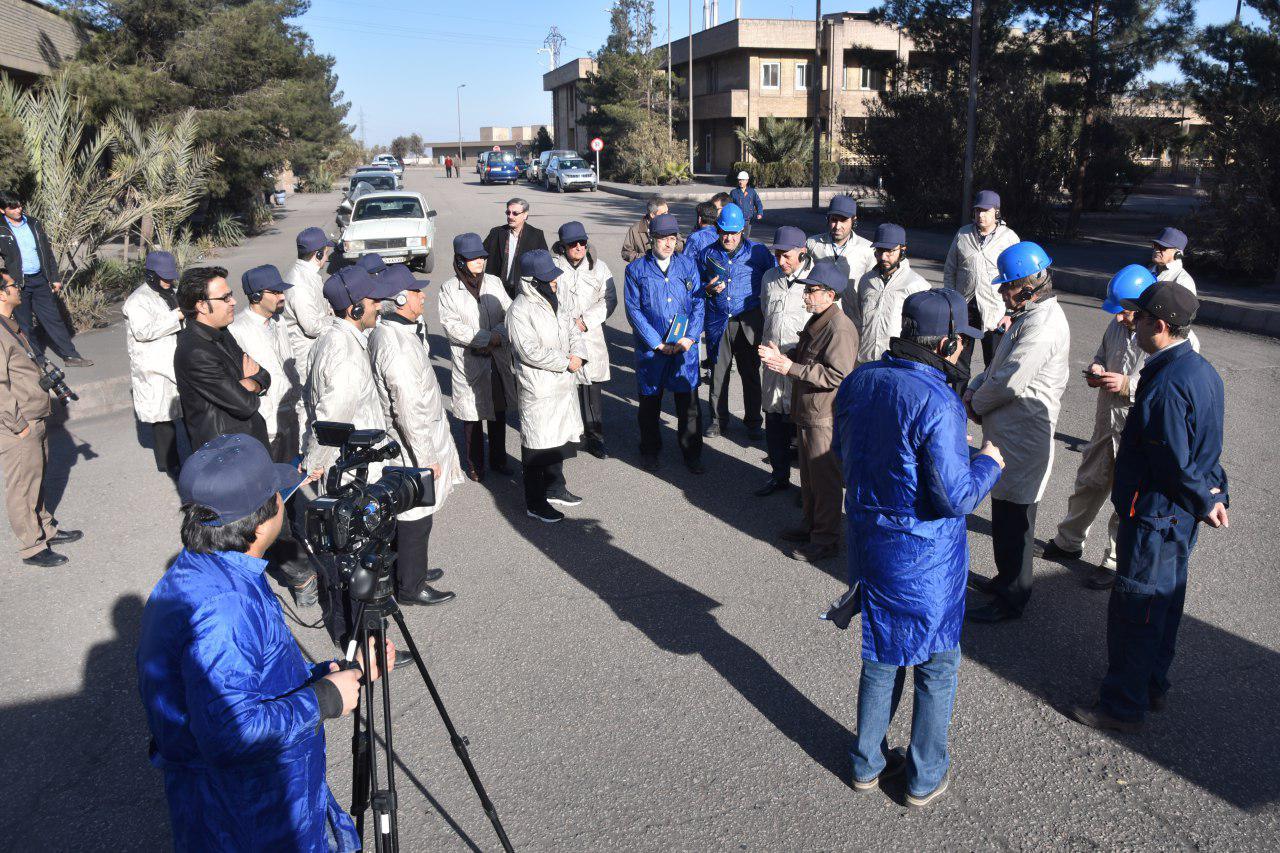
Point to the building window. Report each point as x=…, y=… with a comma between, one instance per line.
x=770, y=73
x=802, y=75
x=871, y=79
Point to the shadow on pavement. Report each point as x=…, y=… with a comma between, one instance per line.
x=65, y=450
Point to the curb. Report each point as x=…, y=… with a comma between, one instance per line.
x=824, y=195
x=103, y=397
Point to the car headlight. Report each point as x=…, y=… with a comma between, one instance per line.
x=413, y=242
x=350, y=246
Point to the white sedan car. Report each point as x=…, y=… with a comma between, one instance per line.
x=396, y=225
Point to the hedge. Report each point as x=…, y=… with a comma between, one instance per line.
x=791, y=173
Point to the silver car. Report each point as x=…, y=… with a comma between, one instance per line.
x=570, y=173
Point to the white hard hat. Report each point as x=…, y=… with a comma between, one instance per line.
x=743, y=176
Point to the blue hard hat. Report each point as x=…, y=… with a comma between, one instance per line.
x=539, y=265
x=265, y=277
x=163, y=265
x=572, y=232
x=469, y=246
x=889, y=236
x=664, y=225
x=731, y=220
x=1128, y=283
x=233, y=475
x=1021, y=260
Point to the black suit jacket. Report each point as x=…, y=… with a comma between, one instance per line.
x=208, y=366
x=496, y=245
x=13, y=255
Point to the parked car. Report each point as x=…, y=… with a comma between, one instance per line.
x=545, y=157
x=570, y=173
x=390, y=160
x=398, y=226
x=362, y=183
x=499, y=168
x=522, y=166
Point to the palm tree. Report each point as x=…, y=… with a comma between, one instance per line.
x=777, y=140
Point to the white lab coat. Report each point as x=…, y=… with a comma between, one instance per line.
x=468, y=324
x=413, y=407
x=151, y=336
x=265, y=340
x=592, y=295
x=340, y=388
x=876, y=310
x=782, y=301
x=1175, y=272
x=971, y=268
x=855, y=257
x=1019, y=396
x=541, y=342
x=306, y=312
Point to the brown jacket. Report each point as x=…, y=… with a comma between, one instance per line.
x=21, y=397
x=637, y=241
x=822, y=358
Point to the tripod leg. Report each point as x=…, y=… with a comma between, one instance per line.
x=360, y=739
x=459, y=743
x=389, y=793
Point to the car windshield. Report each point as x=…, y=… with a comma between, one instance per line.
x=377, y=180
x=496, y=158
x=573, y=163
x=387, y=208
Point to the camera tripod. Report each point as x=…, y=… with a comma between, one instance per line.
x=370, y=623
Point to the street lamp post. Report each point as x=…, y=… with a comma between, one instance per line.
x=460, y=86
x=690, y=85
x=971, y=121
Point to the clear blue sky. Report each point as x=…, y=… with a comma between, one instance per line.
x=400, y=61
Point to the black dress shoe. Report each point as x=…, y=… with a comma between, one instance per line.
x=695, y=466
x=404, y=658
x=427, y=595
x=432, y=575
x=771, y=487
x=77, y=361
x=754, y=433
x=794, y=534
x=1051, y=551
x=1101, y=579
x=45, y=559
x=66, y=536
x=812, y=552
x=1096, y=718
x=597, y=450
x=981, y=584
x=992, y=612
x=712, y=430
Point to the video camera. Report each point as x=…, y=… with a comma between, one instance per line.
x=354, y=523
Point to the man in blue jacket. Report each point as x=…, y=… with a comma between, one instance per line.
x=748, y=200
x=705, y=234
x=1168, y=479
x=235, y=712
x=733, y=271
x=910, y=481
x=661, y=289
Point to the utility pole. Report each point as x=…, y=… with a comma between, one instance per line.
x=362, y=127
x=460, y=88
x=552, y=44
x=815, y=87
x=971, y=128
x=671, y=128
x=690, y=85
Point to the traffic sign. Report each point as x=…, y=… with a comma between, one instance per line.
x=597, y=144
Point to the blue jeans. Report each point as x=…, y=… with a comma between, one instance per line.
x=879, y=690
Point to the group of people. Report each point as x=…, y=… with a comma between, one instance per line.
x=848, y=360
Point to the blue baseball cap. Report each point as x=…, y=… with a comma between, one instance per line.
x=1171, y=238
x=539, y=265
x=827, y=273
x=469, y=246
x=162, y=264
x=313, y=240
x=351, y=284
x=889, y=236
x=664, y=225
x=399, y=277
x=788, y=237
x=939, y=312
x=987, y=200
x=372, y=263
x=233, y=475
x=265, y=277
x=843, y=205
x=572, y=232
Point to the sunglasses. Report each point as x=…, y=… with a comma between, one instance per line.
x=514, y=212
x=576, y=243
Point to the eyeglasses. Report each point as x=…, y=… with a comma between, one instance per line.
x=226, y=297
x=514, y=212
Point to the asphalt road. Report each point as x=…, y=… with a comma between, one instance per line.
x=650, y=674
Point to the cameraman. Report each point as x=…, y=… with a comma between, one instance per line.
x=24, y=444
x=235, y=712
x=412, y=406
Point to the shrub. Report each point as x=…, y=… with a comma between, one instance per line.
x=791, y=173
x=647, y=155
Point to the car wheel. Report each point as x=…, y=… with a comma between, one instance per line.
x=428, y=263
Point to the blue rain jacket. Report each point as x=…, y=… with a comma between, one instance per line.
x=743, y=279
x=900, y=433
x=652, y=301
x=749, y=201
x=234, y=728
x=699, y=240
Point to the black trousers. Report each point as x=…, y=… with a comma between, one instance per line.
x=284, y=447
x=688, y=424
x=412, y=538
x=741, y=337
x=39, y=303
x=779, y=432
x=592, y=413
x=473, y=434
x=541, y=480
x=988, y=343
x=1013, y=536
x=164, y=444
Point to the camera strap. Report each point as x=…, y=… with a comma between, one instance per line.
x=24, y=343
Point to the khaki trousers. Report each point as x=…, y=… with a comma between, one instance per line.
x=23, y=460
x=1092, y=491
x=821, y=485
